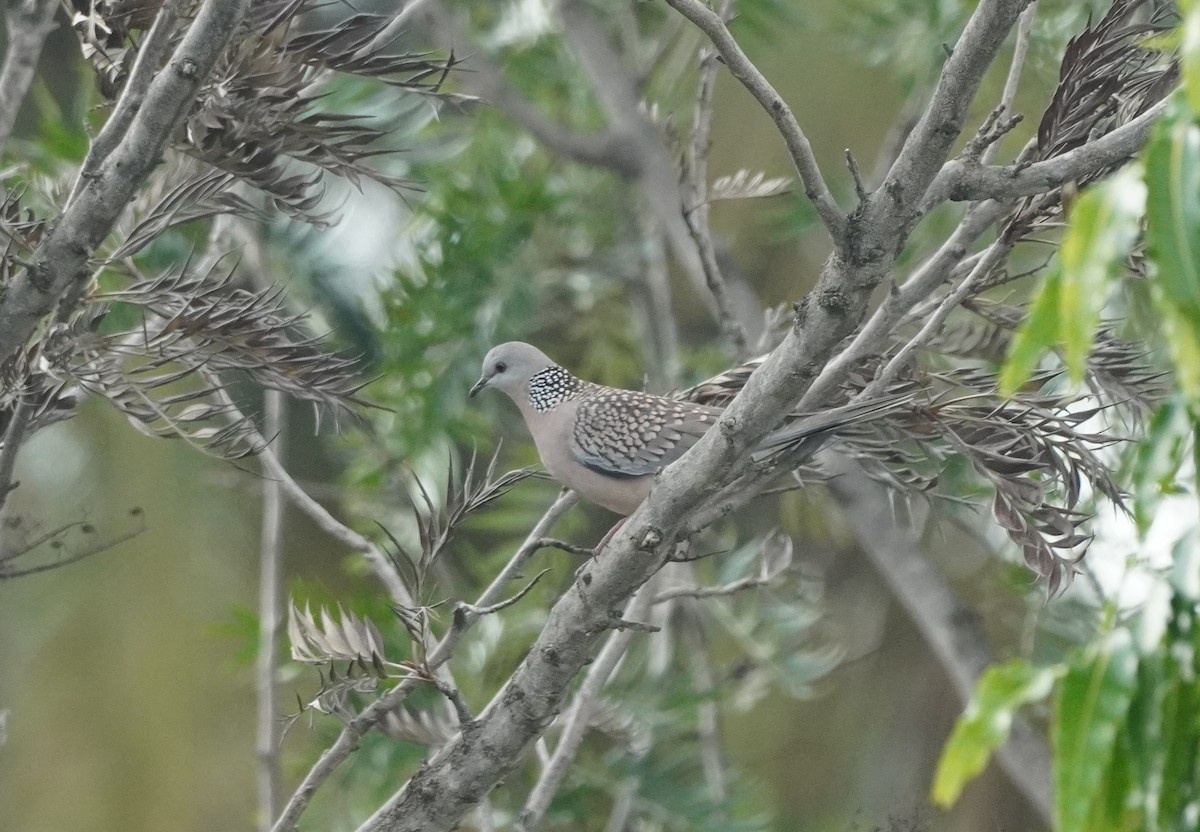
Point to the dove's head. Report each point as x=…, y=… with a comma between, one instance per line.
x=509, y=367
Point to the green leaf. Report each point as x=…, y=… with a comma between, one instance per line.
x=1157, y=460
x=1173, y=238
x=1104, y=226
x=1093, y=703
x=984, y=726
x=1189, y=43
x=1036, y=334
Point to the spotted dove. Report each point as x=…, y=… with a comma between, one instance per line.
x=606, y=443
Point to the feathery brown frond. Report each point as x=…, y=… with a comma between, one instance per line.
x=160, y=396
x=436, y=523
x=258, y=117
x=1107, y=79
x=194, y=195
x=418, y=727
x=1029, y=450
x=204, y=320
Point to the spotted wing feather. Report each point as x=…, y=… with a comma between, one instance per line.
x=622, y=433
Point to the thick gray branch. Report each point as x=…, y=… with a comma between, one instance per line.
x=581, y=713
x=29, y=22
x=60, y=263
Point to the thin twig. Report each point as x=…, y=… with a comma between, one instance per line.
x=531, y=544
x=22, y=413
x=756, y=83
x=623, y=803
x=570, y=548
x=454, y=696
x=378, y=560
x=28, y=546
x=732, y=588
x=708, y=716
x=607, y=148
x=860, y=187
x=657, y=323
x=629, y=145
x=695, y=190
x=474, y=609
x=29, y=23
x=1013, y=81
x=7, y=573
x=996, y=252
x=269, y=615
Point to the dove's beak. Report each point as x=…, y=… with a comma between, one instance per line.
x=479, y=385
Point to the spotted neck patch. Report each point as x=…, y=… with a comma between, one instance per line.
x=552, y=386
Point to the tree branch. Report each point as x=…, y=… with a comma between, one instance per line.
x=921, y=283
x=928, y=145
x=151, y=51
x=581, y=714
x=695, y=192
x=13, y=437
x=630, y=146
x=963, y=180
x=992, y=256
x=61, y=262
x=609, y=149
x=269, y=574
x=29, y=23
x=1013, y=81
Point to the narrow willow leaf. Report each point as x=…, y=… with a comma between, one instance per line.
x=1037, y=333
x=1173, y=238
x=1152, y=710
x=1066, y=312
x=1104, y=226
x=1178, y=748
x=1157, y=460
x=1093, y=703
x=1189, y=44
x=984, y=726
